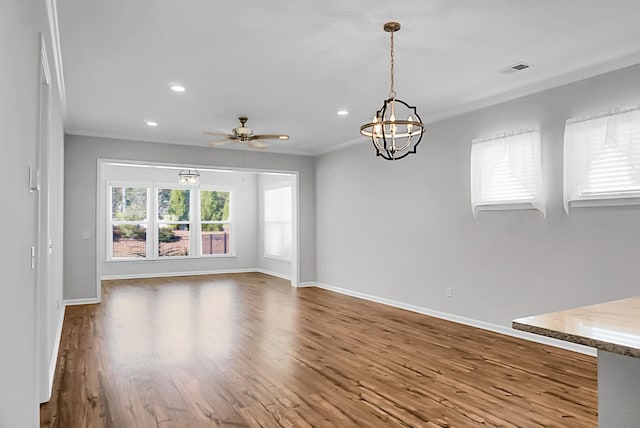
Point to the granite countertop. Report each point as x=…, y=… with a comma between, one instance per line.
x=611, y=326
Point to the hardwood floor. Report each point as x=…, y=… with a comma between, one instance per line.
x=246, y=350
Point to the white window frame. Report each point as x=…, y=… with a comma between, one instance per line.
x=266, y=188
x=230, y=222
x=157, y=222
x=577, y=156
x=153, y=223
x=478, y=200
x=110, y=222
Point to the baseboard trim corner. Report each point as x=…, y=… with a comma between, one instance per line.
x=88, y=301
x=496, y=328
x=272, y=273
x=306, y=284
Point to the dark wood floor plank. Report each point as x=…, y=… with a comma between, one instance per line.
x=247, y=350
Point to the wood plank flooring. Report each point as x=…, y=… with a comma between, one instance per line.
x=246, y=350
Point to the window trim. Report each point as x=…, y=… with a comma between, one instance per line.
x=157, y=222
x=153, y=223
x=572, y=197
x=110, y=223
x=231, y=221
x=536, y=202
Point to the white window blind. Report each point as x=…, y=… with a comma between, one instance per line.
x=277, y=222
x=602, y=158
x=506, y=172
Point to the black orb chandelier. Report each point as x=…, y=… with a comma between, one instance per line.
x=189, y=177
x=394, y=138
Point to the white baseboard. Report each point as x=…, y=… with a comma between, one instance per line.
x=463, y=320
x=169, y=274
x=276, y=274
x=89, y=301
x=306, y=284
x=54, y=354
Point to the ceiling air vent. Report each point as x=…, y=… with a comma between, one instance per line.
x=514, y=68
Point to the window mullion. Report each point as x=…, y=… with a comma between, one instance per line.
x=153, y=242
x=109, y=222
x=198, y=224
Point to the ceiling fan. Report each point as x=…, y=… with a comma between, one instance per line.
x=245, y=135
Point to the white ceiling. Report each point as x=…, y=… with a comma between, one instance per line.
x=290, y=65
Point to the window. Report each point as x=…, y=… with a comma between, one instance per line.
x=174, y=222
x=215, y=222
x=159, y=221
x=277, y=222
x=506, y=172
x=129, y=222
x=602, y=159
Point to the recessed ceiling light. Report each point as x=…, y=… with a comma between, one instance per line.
x=283, y=137
x=178, y=88
x=343, y=112
x=151, y=123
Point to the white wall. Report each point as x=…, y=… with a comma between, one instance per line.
x=20, y=24
x=81, y=155
x=244, y=229
x=404, y=230
x=53, y=183
x=277, y=267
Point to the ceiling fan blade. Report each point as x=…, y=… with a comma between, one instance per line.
x=217, y=134
x=220, y=142
x=257, y=144
x=272, y=137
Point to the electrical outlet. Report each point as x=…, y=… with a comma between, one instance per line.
x=449, y=291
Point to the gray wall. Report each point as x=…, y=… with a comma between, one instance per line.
x=20, y=24
x=404, y=230
x=81, y=155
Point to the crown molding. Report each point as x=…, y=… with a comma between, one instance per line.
x=543, y=85
x=54, y=32
x=534, y=88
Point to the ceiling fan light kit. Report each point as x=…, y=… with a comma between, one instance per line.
x=394, y=138
x=245, y=134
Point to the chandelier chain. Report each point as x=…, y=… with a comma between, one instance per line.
x=392, y=93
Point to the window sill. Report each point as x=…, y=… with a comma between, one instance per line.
x=217, y=256
x=605, y=202
x=278, y=258
x=164, y=259
x=505, y=207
